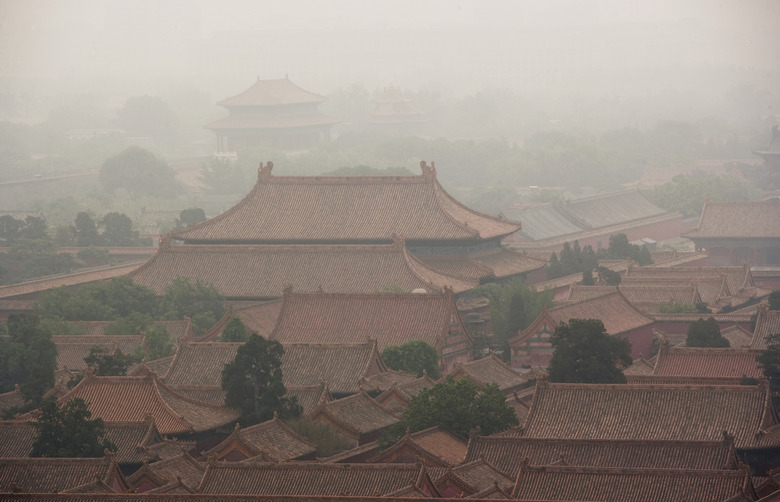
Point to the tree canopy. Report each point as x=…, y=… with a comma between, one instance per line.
x=769, y=361
x=705, y=333
x=459, y=405
x=69, y=431
x=774, y=300
x=27, y=357
x=197, y=300
x=253, y=382
x=586, y=353
x=139, y=172
x=107, y=363
x=414, y=356
x=235, y=331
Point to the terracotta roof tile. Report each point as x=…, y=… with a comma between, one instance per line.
x=767, y=323
x=47, y=475
x=11, y=399
x=309, y=397
x=708, y=362
x=624, y=485
x=499, y=262
x=258, y=317
x=16, y=438
x=480, y=474
x=287, y=209
x=301, y=478
x=234, y=269
x=491, y=369
x=176, y=329
x=507, y=453
x=73, y=279
x=116, y=399
x=653, y=412
x=72, y=349
x=200, y=364
x=390, y=319
x=164, y=471
x=272, y=92
x=752, y=219
x=357, y=415
x=269, y=438
x=737, y=279
x=645, y=297
x=435, y=442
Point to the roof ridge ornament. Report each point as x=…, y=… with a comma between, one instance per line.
x=429, y=172
x=264, y=171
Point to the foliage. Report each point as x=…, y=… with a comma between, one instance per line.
x=13, y=230
x=108, y=363
x=235, y=331
x=586, y=353
x=86, y=231
x=160, y=343
x=115, y=298
x=504, y=322
x=118, y=230
x=253, y=381
x=325, y=438
x=27, y=357
x=69, y=431
x=224, y=177
x=460, y=406
x=131, y=324
x=774, y=300
x=199, y=301
x=414, y=356
x=686, y=193
x=139, y=172
x=705, y=333
x=620, y=248
x=190, y=216
x=573, y=260
x=675, y=307
x=608, y=276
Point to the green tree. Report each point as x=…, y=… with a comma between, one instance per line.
x=235, y=331
x=675, y=307
x=705, y=333
x=108, y=363
x=139, y=172
x=774, y=300
x=769, y=361
x=118, y=230
x=607, y=276
x=585, y=353
x=10, y=229
x=459, y=405
x=27, y=357
x=190, y=216
x=69, y=431
x=414, y=356
x=105, y=301
x=199, y=301
x=160, y=343
x=86, y=230
x=253, y=382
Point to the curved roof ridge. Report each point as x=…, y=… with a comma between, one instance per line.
x=442, y=194
x=417, y=268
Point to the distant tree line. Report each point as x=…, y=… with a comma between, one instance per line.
x=574, y=260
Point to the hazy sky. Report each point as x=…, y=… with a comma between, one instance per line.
x=220, y=47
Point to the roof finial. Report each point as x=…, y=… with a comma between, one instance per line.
x=429, y=172
x=264, y=171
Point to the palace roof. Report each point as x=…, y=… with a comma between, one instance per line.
x=200, y=364
x=357, y=415
x=654, y=412
x=646, y=485
x=72, y=349
x=259, y=317
x=647, y=297
x=697, y=362
x=16, y=438
x=767, y=323
x=351, y=209
x=308, y=478
x=748, y=220
x=477, y=475
x=129, y=399
x=491, y=369
x=258, y=272
x=176, y=329
x=498, y=262
x=272, y=93
x=737, y=279
x=159, y=473
x=47, y=475
x=617, y=314
x=271, y=438
x=388, y=318
x=507, y=453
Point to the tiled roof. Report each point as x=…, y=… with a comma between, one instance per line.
x=767, y=323
x=737, y=278
x=491, y=369
x=309, y=397
x=542, y=222
x=132, y=439
x=272, y=92
x=258, y=317
x=506, y=453
x=234, y=269
x=11, y=399
x=16, y=438
x=342, y=367
x=200, y=364
x=164, y=471
x=357, y=415
x=271, y=438
x=288, y=209
x=116, y=399
x=624, y=485
x=386, y=379
x=645, y=297
x=389, y=318
x=303, y=478
x=751, y=220
x=176, y=329
x=613, y=310
x=479, y=474
x=73, y=279
x=737, y=336
x=72, y=349
x=47, y=475
x=653, y=412
x=707, y=362
x=499, y=262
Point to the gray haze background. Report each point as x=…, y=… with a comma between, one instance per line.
x=546, y=48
